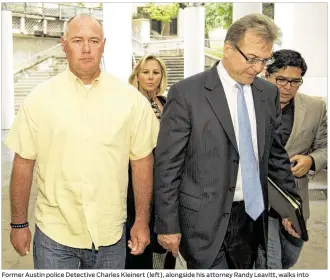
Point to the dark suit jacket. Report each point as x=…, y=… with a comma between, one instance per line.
x=196, y=162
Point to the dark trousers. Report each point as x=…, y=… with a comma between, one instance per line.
x=239, y=249
x=145, y=260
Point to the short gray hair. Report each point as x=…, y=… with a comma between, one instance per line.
x=263, y=26
x=66, y=27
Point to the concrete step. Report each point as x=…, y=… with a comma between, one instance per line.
x=26, y=87
x=22, y=92
x=164, y=58
x=45, y=71
x=39, y=76
x=34, y=81
x=174, y=65
x=175, y=71
x=20, y=88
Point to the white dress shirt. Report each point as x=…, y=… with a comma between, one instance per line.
x=229, y=86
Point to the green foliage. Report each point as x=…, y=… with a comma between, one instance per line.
x=218, y=15
x=162, y=12
x=140, y=13
x=268, y=9
x=136, y=16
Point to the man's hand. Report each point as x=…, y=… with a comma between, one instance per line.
x=302, y=166
x=20, y=238
x=288, y=227
x=140, y=238
x=170, y=242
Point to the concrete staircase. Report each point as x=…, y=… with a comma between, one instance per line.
x=174, y=65
x=24, y=85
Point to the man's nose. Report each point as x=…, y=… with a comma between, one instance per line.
x=86, y=47
x=288, y=86
x=258, y=67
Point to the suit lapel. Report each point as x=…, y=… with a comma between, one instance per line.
x=218, y=102
x=259, y=107
x=299, y=115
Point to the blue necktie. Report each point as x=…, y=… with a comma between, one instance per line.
x=254, y=203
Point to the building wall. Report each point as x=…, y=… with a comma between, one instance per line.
x=26, y=46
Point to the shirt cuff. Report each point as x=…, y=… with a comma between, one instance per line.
x=313, y=164
x=311, y=171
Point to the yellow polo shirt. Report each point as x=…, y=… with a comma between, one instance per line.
x=82, y=140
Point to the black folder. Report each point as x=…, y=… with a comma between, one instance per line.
x=287, y=207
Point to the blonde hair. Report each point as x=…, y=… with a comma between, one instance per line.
x=140, y=64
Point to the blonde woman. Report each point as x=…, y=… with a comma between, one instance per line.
x=149, y=76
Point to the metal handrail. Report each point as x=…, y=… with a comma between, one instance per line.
x=213, y=50
x=213, y=58
x=25, y=68
x=166, y=41
x=158, y=37
x=139, y=42
x=25, y=61
x=134, y=59
x=59, y=11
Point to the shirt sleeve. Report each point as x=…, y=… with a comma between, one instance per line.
x=22, y=136
x=145, y=128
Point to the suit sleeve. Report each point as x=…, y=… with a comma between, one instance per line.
x=170, y=154
x=279, y=168
x=319, y=149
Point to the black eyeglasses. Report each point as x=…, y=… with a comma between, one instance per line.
x=283, y=82
x=255, y=60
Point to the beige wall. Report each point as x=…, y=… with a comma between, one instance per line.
x=25, y=46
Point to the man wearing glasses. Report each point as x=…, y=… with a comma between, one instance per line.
x=304, y=136
x=219, y=140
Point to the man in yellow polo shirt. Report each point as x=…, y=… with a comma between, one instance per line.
x=82, y=128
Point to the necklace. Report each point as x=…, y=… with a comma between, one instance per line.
x=154, y=105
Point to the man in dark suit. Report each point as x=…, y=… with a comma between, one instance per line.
x=219, y=140
x=304, y=136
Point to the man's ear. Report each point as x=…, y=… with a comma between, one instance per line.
x=63, y=43
x=104, y=41
x=227, y=48
x=266, y=74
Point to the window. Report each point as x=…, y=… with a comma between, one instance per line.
x=174, y=26
x=156, y=25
